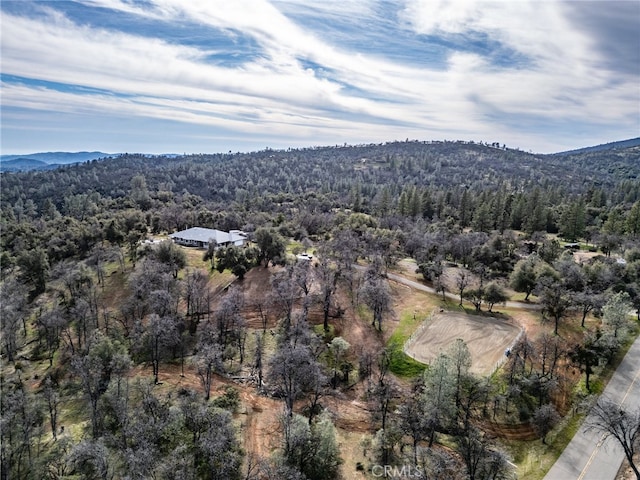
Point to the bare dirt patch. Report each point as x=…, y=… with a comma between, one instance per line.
x=582, y=257
x=486, y=337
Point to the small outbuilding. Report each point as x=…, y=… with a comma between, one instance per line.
x=202, y=237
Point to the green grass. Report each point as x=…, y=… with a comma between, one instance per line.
x=534, y=459
x=194, y=258
x=74, y=410
x=519, y=297
x=294, y=247
x=402, y=364
x=326, y=336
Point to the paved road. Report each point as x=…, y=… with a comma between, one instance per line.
x=587, y=457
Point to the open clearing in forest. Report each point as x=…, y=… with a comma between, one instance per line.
x=486, y=337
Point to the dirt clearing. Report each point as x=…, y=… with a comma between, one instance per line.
x=486, y=337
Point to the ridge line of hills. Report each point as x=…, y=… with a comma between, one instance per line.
x=46, y=160
x=52, y=160
x=632, y=142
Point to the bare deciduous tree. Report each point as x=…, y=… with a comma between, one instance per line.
x=196, y=296
x=586, y=301
x=544, y=419
x=481, y=457
x=94, y=369
x=90, y=459
x=613, y=420
x=258, y=360
x=12, y=314
x=462, y=282
x=294, y=371
x=231, y=311
x=554, y=298
x=376, y=295
x=156, y=337
x=52, y=399
x=302, y=276
x=284, y=292
x=208, y=361
x=327, y=278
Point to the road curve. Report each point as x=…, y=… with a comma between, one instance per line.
x=419, y=286
x=588, y=456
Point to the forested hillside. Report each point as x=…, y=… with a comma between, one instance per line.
x=130, y=359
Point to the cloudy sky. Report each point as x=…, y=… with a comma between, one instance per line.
x=174, y=76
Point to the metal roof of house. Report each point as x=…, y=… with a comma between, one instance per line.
x=199, y=234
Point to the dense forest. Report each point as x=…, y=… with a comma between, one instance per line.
x=102, y=328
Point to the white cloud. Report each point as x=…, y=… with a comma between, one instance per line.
x=358, y=97
x=561, y=70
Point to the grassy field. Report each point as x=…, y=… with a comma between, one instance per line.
x=534, y=459
x=402, y=364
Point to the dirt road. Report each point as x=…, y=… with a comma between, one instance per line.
x=419, y=286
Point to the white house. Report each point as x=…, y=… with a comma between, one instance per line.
x=201, y=237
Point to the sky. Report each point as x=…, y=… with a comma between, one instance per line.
x=207, y=76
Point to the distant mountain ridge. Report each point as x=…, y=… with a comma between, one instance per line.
x=632, y=142
x=21, y=163
x=57, y=157
x=51, y=160
x=45, y=160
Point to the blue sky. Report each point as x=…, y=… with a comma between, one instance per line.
x=195, y=76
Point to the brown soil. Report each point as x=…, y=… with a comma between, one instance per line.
x=519, y=432
x=486, y=337
x=255, y=287
x=582, y=257
x=258, y=415
x=625, y=472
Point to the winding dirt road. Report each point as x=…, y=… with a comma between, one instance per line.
x=419, y=286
